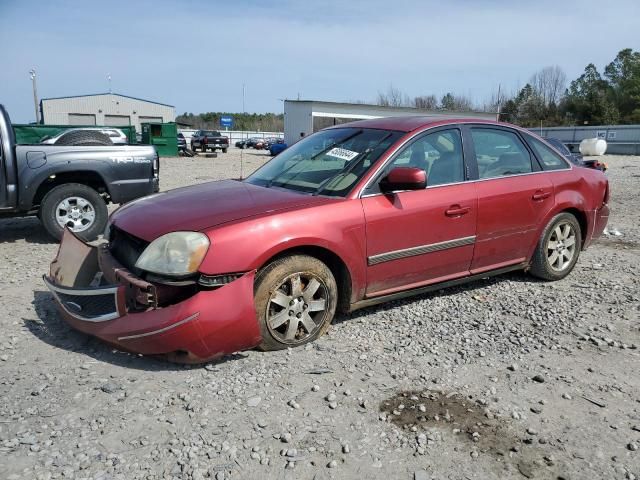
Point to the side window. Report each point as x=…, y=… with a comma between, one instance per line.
x=500, y=153
x=439, y=154
x=550, y=159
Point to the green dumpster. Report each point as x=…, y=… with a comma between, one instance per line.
x=32, y=134
x=164, y=136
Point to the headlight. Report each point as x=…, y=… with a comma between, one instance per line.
x=176, y=253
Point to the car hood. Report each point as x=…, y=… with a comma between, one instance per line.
x=206, y=205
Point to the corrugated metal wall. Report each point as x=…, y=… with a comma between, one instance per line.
x=621, y=139
x=106, y=108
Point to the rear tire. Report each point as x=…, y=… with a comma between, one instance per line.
x=80, y=206
x=558, y=248
x=224, y=150
x=296, y=299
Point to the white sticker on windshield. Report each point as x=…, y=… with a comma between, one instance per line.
x=342, y=153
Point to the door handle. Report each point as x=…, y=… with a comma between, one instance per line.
x=456, y=211
x=541, y=195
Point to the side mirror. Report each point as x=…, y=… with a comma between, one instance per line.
x=404, y=178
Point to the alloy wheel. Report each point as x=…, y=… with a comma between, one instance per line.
x=561, y=246
x=296, y=308
x=76, y=213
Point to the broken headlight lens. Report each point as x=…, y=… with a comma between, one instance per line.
x=175, y=254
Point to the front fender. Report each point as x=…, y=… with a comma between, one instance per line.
x=249, y=244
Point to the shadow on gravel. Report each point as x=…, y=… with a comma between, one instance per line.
x=470, y=423
x=53, y=330
x=28, y=229
x=257, y=153
x=516, y=276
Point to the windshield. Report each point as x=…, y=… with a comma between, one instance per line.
x=329, y=162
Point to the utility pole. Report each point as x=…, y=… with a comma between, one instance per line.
x=109, y=79
x=32, y=74
x=243, y=110
x=498, y=112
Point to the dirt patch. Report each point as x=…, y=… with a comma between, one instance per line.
x=617, y=243
x=474, y=424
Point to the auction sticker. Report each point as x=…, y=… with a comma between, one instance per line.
x=343, y=154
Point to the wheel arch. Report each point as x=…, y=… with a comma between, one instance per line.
x=336, y=264
x=89, y=178
x=580, y=215
x=583, y=221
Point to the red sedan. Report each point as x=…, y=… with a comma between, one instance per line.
x=351, y=216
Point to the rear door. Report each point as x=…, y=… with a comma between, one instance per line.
x=514, y=197
x=422, y=236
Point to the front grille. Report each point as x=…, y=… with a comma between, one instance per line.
x=126, y=249
x=89, y=307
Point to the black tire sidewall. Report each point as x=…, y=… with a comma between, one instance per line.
x=51, y=200
x=272, y=275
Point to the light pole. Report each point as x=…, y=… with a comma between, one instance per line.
x=32, y=74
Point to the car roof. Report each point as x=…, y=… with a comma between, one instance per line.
x=408, y=124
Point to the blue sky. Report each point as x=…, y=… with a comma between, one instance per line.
x=197, y=54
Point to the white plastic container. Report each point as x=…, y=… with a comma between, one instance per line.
x=593, y=146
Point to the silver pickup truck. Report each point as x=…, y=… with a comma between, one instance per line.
x=70, y=186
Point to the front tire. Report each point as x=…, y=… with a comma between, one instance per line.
x=296, y=299
x=224, y=150
x=76, y=206
x=558, y=248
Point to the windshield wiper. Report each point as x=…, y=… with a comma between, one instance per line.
x=351, y=165
x=313, y=157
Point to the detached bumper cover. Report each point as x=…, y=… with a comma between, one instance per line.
x=124, y=313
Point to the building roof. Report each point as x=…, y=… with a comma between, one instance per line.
x=410, y=123
x=388, y=107
x=107, y=93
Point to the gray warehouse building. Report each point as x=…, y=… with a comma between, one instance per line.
x=110, y=109
x=303, y=117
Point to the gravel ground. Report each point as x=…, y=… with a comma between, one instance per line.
x=504, y=378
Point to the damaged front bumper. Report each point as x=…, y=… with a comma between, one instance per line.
x=98, y=296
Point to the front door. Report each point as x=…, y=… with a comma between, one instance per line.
x=424, y=236
x=514, y=196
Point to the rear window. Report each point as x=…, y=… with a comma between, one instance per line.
x=211, y=133
x=550, y=159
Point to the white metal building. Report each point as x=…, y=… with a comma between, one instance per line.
x=111, y=109
x=301, y=116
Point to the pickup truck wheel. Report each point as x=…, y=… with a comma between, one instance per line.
x=76, y=206
x=296, y=299
x=224, y=150
x=558, y=249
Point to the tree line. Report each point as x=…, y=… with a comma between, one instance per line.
x=612, y=97
x=591, y=99
x=262, y=122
